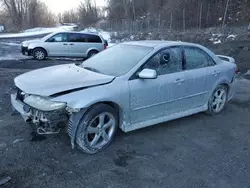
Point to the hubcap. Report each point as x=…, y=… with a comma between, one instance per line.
x=39, y=55
x=219, y=100
x=101, y=130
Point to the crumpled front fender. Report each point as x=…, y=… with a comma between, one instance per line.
x=74, y=120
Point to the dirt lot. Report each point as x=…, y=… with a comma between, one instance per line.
x=197, y=151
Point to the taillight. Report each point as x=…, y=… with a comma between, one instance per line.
x=105, y=46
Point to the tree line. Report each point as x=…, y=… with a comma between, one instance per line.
x=23, y=14
x=176, y=14
x=187, y=13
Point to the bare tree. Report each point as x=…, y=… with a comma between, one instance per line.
x=27, y=13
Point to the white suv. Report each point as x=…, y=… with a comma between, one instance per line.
x=64, y=44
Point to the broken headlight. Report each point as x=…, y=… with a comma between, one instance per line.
x=43, y=104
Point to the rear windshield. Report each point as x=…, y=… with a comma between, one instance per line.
x=117, y=60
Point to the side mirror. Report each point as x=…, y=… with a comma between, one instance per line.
x=148, y=74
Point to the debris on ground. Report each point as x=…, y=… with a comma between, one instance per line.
x=4, y=180
x=232, y=37
x=18, y=140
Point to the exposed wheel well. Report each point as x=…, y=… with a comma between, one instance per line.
x=227, y=86
x=113, y=105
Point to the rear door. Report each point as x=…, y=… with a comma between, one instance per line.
x=77, y=45
x=200, y=73
x=80, y=44
x=95, y=42
x=57, y=45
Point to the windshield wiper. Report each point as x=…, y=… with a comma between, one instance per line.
x=92, y=69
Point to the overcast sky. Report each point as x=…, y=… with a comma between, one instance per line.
x=58, y=6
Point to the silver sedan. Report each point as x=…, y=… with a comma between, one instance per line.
x=128, y=86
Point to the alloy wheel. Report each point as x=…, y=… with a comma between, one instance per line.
x=101, y=130
x=219, y=100
x=39, y=55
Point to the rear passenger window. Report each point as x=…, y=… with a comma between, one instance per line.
x=77, y=37
x=93, y=39
x=197, y=58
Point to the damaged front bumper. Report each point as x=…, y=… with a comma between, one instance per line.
x=26, y=51
x=47, y=122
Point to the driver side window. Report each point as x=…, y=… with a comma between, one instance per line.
x=166, y=61
x=61, y=37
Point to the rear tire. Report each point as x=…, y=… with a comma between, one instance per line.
x=218, y=100
x=39, y=54
x=92, y=53
x=97, y=129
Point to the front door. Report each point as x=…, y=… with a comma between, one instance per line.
x=163, y=96
x=57, y=45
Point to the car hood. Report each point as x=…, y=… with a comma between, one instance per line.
x=27, y=42
x=55, y=79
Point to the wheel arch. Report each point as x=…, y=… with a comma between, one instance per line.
x=40, y=48
x=92, y=49
x=76, y=118
x=224, y=82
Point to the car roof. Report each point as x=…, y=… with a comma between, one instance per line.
x=76, y=32
x=159, y=43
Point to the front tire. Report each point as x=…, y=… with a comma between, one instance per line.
x=97, y=128
x=218, y=100
x=39, y=54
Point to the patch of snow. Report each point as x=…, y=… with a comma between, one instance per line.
x=132, y=37
x=248, y=73
x=10, y=43
x=18, y=140
x=231, y=36
x=105, y=35
x=217, y=42
x=216, y=35
x=38, y=31
x=111, y=44
x=12, y=57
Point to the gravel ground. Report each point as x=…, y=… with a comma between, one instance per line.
x=196, y=151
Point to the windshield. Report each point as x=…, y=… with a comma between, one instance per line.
x=48, y=36
x=117, y=60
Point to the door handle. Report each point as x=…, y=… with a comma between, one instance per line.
x=65, y=44
x=215, y=73
x=179, y=81
x=71, y=44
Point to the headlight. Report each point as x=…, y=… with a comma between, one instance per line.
x=43, y=104
x=24, y=45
